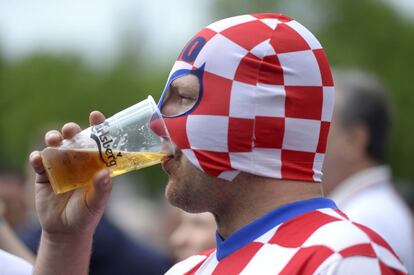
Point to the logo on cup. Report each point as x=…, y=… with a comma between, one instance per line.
x=100, y=133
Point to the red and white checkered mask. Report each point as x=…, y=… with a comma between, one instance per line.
x=265, y=100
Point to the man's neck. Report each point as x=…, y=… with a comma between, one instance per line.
x=254, y=196
x=346, y=171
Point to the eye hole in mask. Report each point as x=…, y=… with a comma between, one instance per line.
x=181, y=96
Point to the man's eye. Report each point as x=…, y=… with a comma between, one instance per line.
x=187, y=99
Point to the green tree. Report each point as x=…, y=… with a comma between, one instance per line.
x=43, y=91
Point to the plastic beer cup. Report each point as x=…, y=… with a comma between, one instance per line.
x=129, y=140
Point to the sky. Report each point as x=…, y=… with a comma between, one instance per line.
x=96, y=29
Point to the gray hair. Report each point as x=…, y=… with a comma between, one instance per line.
x=366, y=102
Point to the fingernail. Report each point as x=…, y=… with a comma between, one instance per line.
x=32, y=155
x=105, y=179
x=51, y=133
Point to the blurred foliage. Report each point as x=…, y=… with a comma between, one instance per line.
x=43, y=90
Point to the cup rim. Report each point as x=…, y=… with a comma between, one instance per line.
x=157, y=110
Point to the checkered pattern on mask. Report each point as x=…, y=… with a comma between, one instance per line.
x=266, y=99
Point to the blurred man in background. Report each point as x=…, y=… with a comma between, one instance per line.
x=12, y=195
x=15, y=258
x=13, y=211
x=356, y=174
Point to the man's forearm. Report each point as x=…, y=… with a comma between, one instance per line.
x=65, y=255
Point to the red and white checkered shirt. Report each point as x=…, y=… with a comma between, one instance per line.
x=306, y=237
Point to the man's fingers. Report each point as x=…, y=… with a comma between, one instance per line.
x=96, y=117
x=69, y=130
x=97, y=197
x=35, y=160
x=53, y=138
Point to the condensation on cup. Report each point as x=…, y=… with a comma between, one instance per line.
x=129, y=140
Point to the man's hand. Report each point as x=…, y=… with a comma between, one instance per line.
x=68, y=220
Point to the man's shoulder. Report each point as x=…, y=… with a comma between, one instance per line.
x=328, y=227
x=327, y=236
x=317, y=241
x=192, y=263
x=10, y=264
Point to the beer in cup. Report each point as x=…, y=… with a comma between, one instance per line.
x=129, y=140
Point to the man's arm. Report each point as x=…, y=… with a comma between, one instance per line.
x=63, y=256
x=68, y=220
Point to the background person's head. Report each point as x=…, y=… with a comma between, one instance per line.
x=250, y=96
x=194, y=234
x=13, y=196
x=360, y=131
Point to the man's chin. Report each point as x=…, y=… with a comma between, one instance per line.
x=177, y=197
x=170, y=192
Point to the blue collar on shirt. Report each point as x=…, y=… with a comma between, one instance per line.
x=255, y=229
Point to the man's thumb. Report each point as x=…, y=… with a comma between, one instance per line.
x=97, y=198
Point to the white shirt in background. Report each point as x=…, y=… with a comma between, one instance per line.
x=369, y=198
x=13, y=265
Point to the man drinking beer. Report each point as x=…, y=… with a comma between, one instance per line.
x=248, y=105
